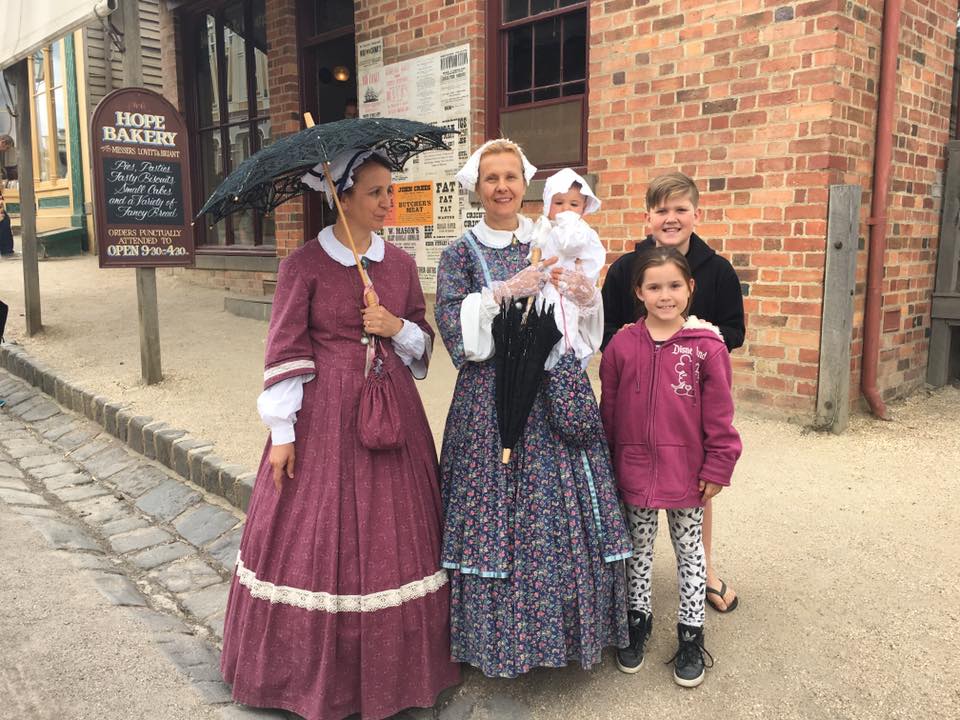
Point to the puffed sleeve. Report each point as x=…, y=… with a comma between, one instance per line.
x=289, y=349
x=464, y=312
x=414, y=343
x=278, y=406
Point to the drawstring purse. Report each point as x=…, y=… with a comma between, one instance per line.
x=570, y=403
x=378, y=418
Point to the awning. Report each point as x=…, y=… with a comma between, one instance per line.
x=29, y=25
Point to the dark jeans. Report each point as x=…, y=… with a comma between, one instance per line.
x=6, y=235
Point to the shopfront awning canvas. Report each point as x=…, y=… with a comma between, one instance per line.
x=29, y=25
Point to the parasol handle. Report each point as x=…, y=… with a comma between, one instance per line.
x=536, y=254
x=369, y=296
x=505, y=459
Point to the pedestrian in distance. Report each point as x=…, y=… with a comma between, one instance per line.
x=673, y=212
x=338, y=604
x=6, y=232
x=668, y=414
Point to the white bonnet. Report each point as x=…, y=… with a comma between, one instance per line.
x=560, y=182
x=342, y=168
x=468, y=174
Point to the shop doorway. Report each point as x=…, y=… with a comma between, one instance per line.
x=328, y=75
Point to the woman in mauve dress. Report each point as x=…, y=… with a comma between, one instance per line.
x=339, y=604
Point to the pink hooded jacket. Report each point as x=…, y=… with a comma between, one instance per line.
x=668, y=414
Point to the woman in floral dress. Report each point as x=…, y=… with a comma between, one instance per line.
x=338, y=605
x=534, y=545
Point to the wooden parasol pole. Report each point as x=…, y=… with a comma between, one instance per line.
x=369, y=295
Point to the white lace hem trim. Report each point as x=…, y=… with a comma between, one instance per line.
x=287, y=367
x=310, y=600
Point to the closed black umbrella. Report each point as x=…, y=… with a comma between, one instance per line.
x=523, y=340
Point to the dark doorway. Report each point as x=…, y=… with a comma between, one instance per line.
x=328, y=75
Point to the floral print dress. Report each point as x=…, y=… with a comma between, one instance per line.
x=534, y=547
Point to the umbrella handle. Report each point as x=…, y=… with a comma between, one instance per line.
x=536, y=255
x=369, y=296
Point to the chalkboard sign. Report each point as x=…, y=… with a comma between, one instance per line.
x=142, y=202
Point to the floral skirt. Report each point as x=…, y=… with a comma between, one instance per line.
x=534, y=548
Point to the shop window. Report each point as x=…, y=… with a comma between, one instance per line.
x=49, y=113
x=230, y=115
x=537, y=90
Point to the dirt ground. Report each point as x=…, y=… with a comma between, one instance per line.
x=844, y=549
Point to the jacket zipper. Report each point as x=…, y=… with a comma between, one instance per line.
x=651, y=437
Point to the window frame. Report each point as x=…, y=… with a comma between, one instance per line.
x=496, y=76
x=54, y=180
x=194, y=23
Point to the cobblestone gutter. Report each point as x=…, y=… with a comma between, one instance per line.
x=191, y=458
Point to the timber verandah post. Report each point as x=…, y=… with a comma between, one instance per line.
x=127, y=18
x=28, y=201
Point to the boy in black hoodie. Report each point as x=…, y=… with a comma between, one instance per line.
x=672, y=213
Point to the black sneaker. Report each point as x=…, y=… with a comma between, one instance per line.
x=688, y=663
x=630, y=658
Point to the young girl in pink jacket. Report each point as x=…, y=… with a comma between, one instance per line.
x=668, y=415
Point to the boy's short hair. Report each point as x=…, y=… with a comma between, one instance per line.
x=664, y=187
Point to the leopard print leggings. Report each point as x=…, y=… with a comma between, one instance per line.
x=686, y=532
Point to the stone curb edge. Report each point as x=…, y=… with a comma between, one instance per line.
x=191, y=458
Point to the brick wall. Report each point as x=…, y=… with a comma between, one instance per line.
x=284, y=77
x=412, y=29
x=921, y=130
x=766, y=105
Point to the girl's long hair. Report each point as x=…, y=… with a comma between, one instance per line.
x=655, y=257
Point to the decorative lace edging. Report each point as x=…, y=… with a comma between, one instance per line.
x=310, y=600
x=272, y=372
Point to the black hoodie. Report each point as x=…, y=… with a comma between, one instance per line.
x=717, y=296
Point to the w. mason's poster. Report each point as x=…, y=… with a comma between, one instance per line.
x=432, y=88
x=141, y=181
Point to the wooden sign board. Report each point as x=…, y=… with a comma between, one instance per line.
x=141, y=181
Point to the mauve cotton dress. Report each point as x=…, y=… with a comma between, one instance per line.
x=339, y=604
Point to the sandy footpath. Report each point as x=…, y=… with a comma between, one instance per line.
x=844, y=549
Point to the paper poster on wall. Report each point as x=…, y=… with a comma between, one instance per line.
x=370, y=77
x=433, y=88
x=413, y=203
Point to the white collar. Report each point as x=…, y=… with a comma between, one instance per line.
x=498, y=239
x=342, y=254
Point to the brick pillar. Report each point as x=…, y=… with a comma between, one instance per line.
x=284, y=79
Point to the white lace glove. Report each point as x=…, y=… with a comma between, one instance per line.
x=526, y=283
x=575, y=285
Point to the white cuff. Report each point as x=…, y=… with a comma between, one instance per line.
x=413, y=346
x=477, y=312
x=282, y=434
x=590, y=332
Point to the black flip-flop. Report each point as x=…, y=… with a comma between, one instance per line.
x=720, y=593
